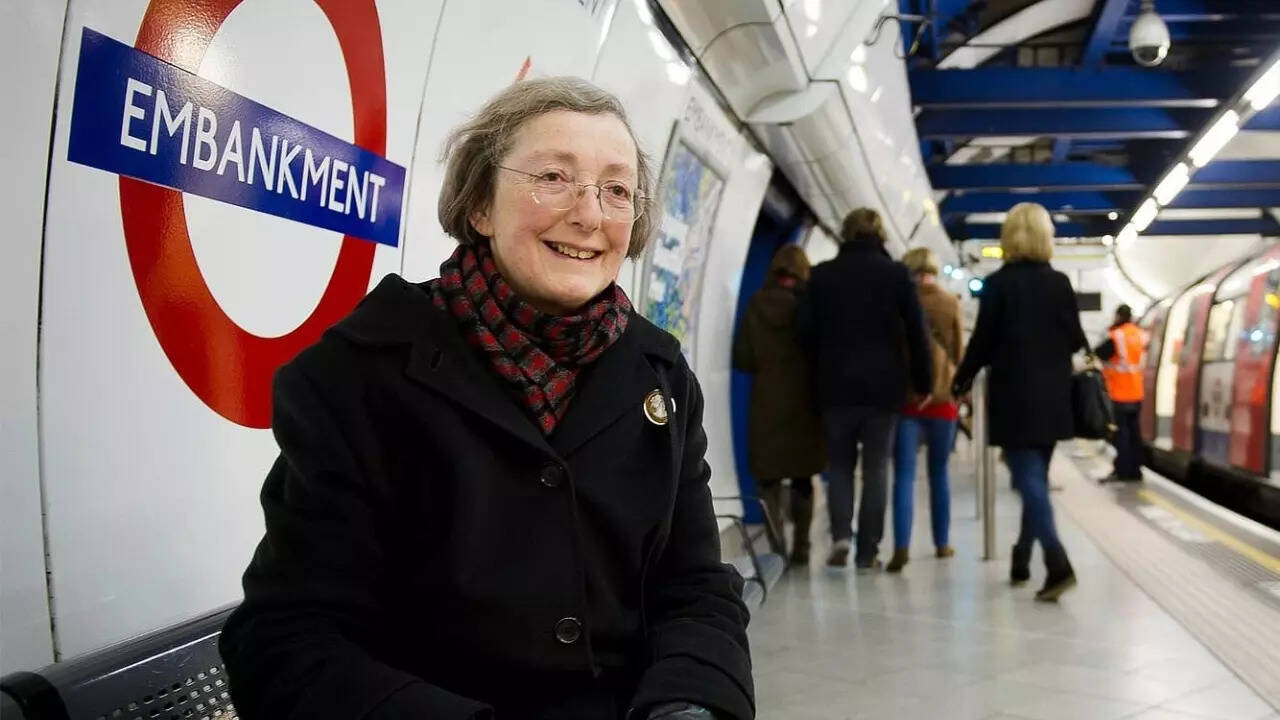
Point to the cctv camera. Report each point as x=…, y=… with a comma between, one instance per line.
x=1149, y=37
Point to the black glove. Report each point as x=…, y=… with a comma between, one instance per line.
x=961, y=389
x=681, y=711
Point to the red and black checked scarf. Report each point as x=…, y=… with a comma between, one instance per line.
x=537, y=354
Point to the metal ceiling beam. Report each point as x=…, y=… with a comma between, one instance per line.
x=1068, y=87
x=1215, y=10
x=1102, y=201
x=1104, y=29
x=1266, y=226
x=1174, y=123
x=1009, y=176
x=1268, y=119
x=1023, y=175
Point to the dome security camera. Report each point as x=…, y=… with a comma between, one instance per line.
x=1149, y=37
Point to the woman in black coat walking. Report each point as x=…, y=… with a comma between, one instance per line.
x=491, y=499
x=784, y=431
x=1027, y=331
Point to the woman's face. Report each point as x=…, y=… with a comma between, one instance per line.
x=558, y=260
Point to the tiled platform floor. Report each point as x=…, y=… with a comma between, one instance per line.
x=949, y=639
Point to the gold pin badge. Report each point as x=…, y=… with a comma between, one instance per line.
x=655, y=408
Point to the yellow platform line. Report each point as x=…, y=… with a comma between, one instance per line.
x=1264, y=559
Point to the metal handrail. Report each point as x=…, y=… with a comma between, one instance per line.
x=986, y=491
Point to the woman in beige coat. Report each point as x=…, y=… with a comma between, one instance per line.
x=934, y=420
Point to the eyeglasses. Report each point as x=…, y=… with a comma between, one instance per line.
x=554, y=190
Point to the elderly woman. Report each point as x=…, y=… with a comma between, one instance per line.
x=491, y=499
x=1027, y=331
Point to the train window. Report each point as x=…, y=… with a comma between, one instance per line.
x=1215, y=337
x=1235, y=330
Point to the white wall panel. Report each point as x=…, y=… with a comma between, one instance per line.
x=152, y=496
x=481, y=47
x=1161, y=265
x=639, y=66
x=32, y=37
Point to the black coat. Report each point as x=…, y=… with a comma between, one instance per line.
x=784, y=432
x=1027, y=330
x=863, y=327
x=429, y=554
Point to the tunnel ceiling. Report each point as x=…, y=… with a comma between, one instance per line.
x=1064, y=116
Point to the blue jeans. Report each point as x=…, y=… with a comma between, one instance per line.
x=938, y=436
x=1030, y=469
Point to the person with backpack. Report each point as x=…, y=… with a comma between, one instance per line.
x=934, y=421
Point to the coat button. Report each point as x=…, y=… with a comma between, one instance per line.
x=568, y=630
x=552, y=476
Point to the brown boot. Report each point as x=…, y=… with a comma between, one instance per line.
x=899, y=561
x=771, y=494
x=802, y=516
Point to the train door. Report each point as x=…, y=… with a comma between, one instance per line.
x=1175, y=336
x=1274, y=468
x=1255, y=355
x=1187, y=395
x=1154, y=324
x=1218, y=367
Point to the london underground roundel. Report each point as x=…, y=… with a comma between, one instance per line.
x=228, y=368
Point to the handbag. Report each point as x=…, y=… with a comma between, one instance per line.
x=1092, y=414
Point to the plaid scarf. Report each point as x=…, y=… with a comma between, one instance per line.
x=538, y=355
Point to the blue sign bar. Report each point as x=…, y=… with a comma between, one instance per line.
x=140, y=117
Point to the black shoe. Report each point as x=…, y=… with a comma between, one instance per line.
x=1061, y=577
x=865, y=567
x=1020, y=569
x=1054, y=587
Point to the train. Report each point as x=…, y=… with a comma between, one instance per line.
x=1211, y=414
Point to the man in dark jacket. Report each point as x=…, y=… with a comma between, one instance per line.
x=865, y=333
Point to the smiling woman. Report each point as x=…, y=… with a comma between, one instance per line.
x=492, y=495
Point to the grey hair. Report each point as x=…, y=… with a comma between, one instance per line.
x=475, y=147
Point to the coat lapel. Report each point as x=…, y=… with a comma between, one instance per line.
x=397, y=312
x=618, y=384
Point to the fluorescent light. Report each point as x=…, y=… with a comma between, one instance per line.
x=1108, y=240
x=1113, y=215
x=859, y=54
x=1145, y=214
x=1127, y=235
x=858, y=78
x=1266, y=88
x=1215, y=138
x=679, y=73
x=813, y=10
x=1172, y=183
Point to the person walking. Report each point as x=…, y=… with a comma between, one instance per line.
x=934, y=421
x=784, y=433
x=859, y=317
x=1122, y=354
x=1027, y=331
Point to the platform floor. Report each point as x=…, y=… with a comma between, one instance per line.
x=950, y=639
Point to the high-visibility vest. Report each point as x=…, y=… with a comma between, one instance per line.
x=1123, y=371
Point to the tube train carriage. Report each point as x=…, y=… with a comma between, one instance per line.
x=1211, y=417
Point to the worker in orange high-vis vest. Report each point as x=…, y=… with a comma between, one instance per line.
x=1122, y=354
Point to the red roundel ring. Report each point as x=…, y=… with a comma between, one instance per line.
x=227, y=367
